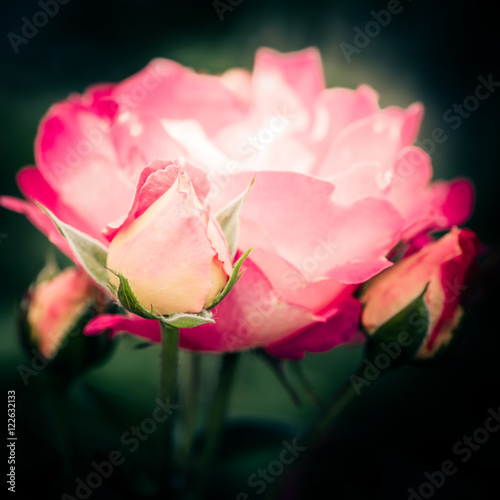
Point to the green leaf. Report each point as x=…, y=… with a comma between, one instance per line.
x=91, y=254
x=235, y=276
x=229, y=219
x=179, y=320
x=402, y=336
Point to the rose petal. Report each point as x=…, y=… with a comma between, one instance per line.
x=341, y=328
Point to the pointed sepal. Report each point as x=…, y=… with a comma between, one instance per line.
x=233, y=279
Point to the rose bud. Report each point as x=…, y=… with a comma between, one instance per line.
x=442, y=266
x=170, y=248
x=53, y=315
x=55, y=306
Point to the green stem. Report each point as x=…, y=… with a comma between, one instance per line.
x=306, y=385
x=58, y=399
x=325, y=420
x=318, y=429
x=191, y=409
x=215, y=421
x=168, y=395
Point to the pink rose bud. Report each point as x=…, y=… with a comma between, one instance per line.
x=170, y=248
x=444, y=266
x=55, y=305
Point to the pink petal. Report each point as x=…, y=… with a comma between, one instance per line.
x=251, y=315
x=302, y=71
x=299, y=287
x=454, y=278
x=189, y=95
x=458, y=200
x=139, y=139
x=363, y=180
x=146, y=328
x=410, y=178
x=35, y=187
x=378, y=137
x=75, y=154
x=341, y=328
x=337, y=108
x=239, y=82
x=292, y=215
x=154, y=181
x=442, y=205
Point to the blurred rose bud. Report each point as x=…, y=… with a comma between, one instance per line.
x=444, y=266
x=53, y=314
x=171, y=250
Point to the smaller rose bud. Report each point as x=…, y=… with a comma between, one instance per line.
x=55, y=305
x=444, y=267
x=54, y=313
x=171, y=249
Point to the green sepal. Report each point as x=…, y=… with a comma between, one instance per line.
x=129, y=301
x=413, y=321
x=187, y=320
x=91, y=254
x=229, y=219
x=235, y=276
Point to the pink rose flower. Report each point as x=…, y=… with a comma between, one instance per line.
x=54, y=307
x=444, y=266
x=338, y=184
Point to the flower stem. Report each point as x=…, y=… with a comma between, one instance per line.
x=325, y=420
x=58, y=401
x=191, y=409
x=215, y=421
x=317, y=430
x=168, y=396
x=306, y=385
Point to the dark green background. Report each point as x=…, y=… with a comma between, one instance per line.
x=407, y=422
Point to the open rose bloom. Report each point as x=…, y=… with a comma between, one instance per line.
x=338, y=183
